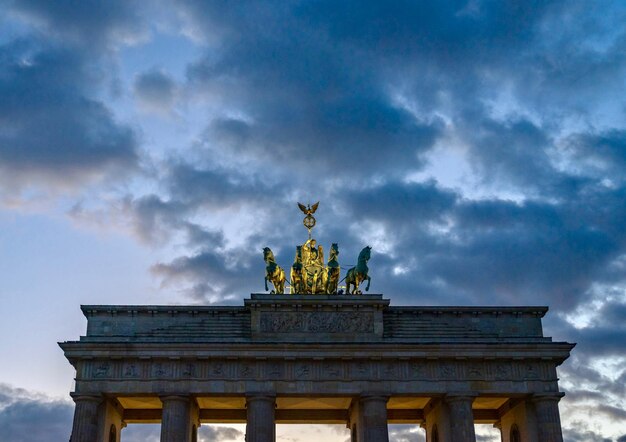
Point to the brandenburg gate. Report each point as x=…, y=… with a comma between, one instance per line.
x=316, y=356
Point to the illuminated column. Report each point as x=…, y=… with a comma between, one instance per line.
x=112, y=423
x=437, y=421
x=86, y=418
x=180, y=416
x=519, y=423
x=548, y=419
x=461, y=418
x=260, y=426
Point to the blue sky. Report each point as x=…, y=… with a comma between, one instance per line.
x=150, y=150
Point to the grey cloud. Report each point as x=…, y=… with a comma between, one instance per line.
x=206, y=433
x=155, y=89
x=219, y=434
x=576, y=435
x=602, y=153
x=311, y=103
x=90, y=22
x=405, y=433
x=615, y=413
x=153, y=218
x=51, y=129
x=214, y=274
x=19, y=409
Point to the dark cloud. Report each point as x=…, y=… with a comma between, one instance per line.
x=214, y=274
x=308, y=100
x=90, y=22
x=601, y=153
x=155, y=89
x=19, y=409
x=50, y=127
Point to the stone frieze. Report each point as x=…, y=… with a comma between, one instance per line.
x=317, y=370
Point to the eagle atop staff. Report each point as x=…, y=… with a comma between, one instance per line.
x=310, y=210
x=309, y=219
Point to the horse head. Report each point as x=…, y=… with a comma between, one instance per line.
x=268, y=256
x=365, y=253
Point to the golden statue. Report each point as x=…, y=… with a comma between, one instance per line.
x=332, y=271
x=308, y=273
x=358, y=274
x=313, y=267
x=296, y=277
x=273, y=272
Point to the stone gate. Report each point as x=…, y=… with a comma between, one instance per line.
x=349, y=359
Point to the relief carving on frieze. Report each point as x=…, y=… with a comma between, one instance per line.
x=476, y=371
x=102, y=370
x=275, y=370
x=188, y=370
x=318, y=322
x=303, y=370
x=332, y=370
x=448, y=370
x=361, y=370
x=418, y=370
x=217, y=369
x=247, y=370
x=502, y=371
x=530, y=371
x=390, y=370
x=161, y=370
x=130, y=370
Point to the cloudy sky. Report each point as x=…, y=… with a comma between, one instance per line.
x=149, y=150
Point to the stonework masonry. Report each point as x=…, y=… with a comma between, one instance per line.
x=320, y=359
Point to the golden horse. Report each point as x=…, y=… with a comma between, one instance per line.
x=273, y=272
x=332, y=270
x=358, y=274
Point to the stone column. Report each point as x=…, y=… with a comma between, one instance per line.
x=372, y=419
x=86, y=418
x=260, y=425
x=461, y=418
x=179, y=415
x=548, y=419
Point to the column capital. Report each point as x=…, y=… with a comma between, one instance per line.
x=77, y=397
x=374, y=397
x=260, y=397
x=541, y=397
x=467, y=396
x=175, y=397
